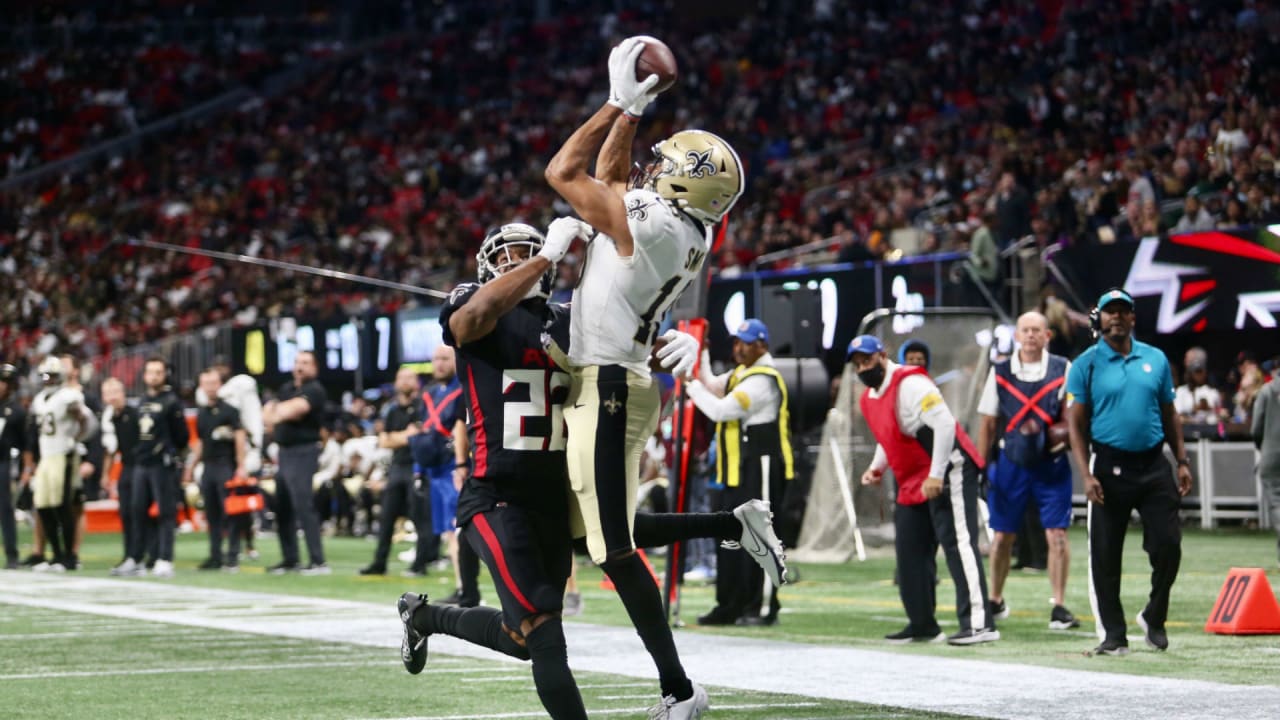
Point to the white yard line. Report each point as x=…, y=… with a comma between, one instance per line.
x=940, y=684
x=186, y=669
x=613, y=711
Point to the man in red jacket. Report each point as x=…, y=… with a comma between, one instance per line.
x=936, y=468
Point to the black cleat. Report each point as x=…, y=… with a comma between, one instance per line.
x=999, y=609
x=32, y=560
x=281, y=568
x=973, y=637
x=316, y=568
x=908, y=634
x=413, y=645
x=1156, y=637
x=374, y=569
x=1062, y=619
x=717, y=616
x=1112, y=647
x=210, y=564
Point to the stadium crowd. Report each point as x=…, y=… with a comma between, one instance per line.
x=877, y=129
x=75, y=76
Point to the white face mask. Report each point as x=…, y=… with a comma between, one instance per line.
x=505, y=262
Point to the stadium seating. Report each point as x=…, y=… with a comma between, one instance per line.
x=875, y=131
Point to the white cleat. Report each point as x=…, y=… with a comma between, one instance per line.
x=129, y=568
x=760, y=541
x=163, y=569
x=668, y=708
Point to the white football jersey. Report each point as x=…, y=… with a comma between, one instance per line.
x=620, y=301
x=57, y=428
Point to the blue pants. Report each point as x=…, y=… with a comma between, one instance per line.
x=444, y=499
x=1012, y=484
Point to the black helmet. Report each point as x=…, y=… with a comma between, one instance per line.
x=8, y=374
x=492, y=260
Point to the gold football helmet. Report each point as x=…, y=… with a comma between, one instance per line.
x=50, y=370
x=698, y=172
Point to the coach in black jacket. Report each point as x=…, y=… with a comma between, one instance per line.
x=162, y=437
x=295, y=420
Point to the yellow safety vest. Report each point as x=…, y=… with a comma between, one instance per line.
x=773, y=438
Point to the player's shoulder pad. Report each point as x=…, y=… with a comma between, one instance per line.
x=70, y=397
x=238, y=386
x=645, y=205
x=462, y=293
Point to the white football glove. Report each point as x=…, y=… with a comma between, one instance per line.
x=625, y=92
x=637, y=108
x=560, y=235
x=680, y=353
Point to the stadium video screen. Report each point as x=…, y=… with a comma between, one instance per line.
x=420, y=334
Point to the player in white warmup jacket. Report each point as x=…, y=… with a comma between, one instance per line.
x=61, y=421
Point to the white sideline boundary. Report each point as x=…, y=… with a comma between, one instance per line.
x=954, y=685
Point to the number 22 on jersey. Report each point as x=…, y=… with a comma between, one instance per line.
x=522, y=419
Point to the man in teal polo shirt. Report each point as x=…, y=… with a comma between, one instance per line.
x=1120, y=399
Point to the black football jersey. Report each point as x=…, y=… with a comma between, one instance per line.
x=514, y=396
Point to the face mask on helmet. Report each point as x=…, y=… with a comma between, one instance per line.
x=507, y=247
x=50, y=371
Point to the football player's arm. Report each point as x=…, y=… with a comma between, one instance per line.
x=33, y=443
x=594, y=200
x=88, y=423
x=479, y=315
x=613, y=163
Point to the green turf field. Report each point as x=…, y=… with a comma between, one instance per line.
x=82, y=666
x=65, y=664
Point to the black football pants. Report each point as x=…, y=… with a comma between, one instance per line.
x=1150, y=489
x=949, y=520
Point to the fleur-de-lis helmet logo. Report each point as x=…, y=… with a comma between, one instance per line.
x=700, y=163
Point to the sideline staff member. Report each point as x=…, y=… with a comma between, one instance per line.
x=13, y=440
x=295, y=420
x=1020, y=402
x=936, y=467
x=1120, y=397
x=749, y=407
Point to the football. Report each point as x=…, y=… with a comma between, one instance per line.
x=1059, y=435
x=657, y=59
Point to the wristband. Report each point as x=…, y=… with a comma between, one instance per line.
x=1184, y=461
x=633, y=119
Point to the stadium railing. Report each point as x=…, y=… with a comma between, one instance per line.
x=1227, y=486
x=187, y=354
